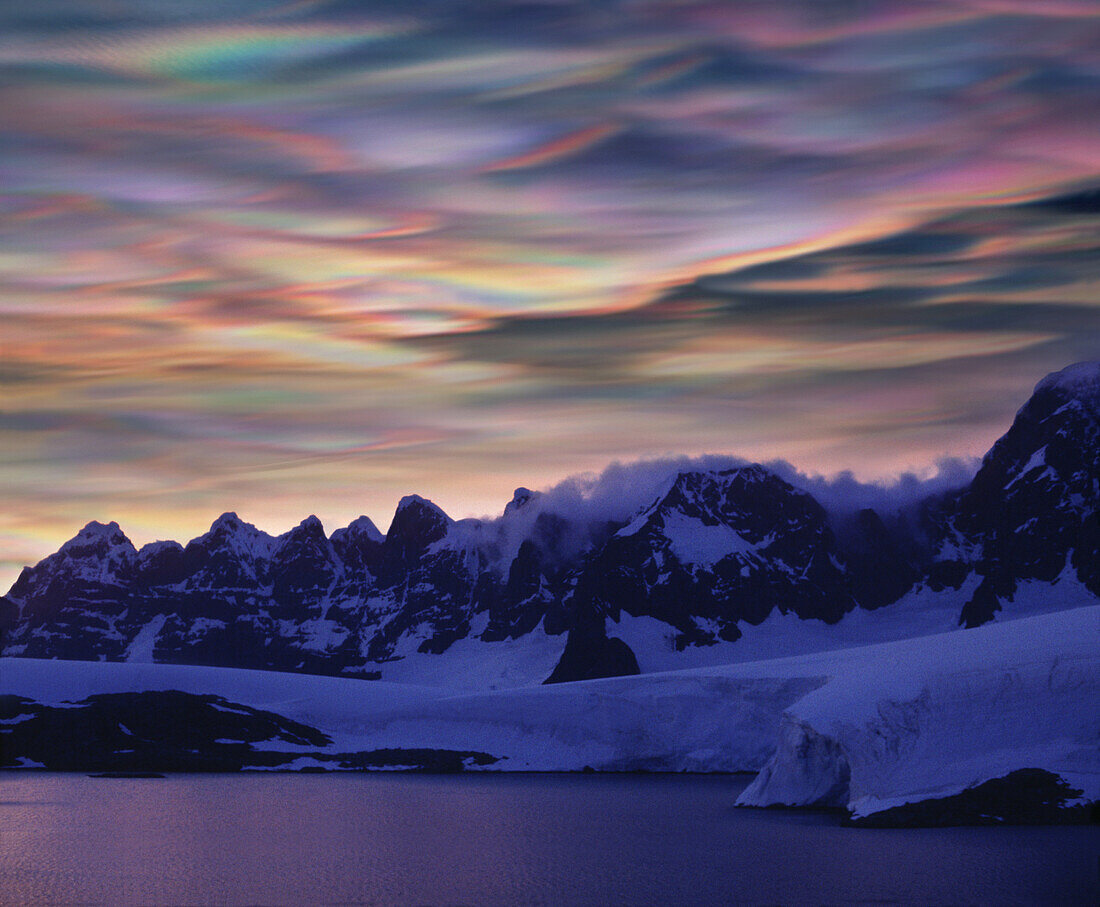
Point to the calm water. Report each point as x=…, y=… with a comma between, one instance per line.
x=498, y=839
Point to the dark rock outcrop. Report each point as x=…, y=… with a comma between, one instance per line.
x=1028, y=796
x=1031, y=511
x=590, y=654
x=143, y=734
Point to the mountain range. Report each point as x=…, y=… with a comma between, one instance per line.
x=536, y=594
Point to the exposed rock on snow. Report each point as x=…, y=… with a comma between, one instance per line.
x=1027, y=796
x=592, y=654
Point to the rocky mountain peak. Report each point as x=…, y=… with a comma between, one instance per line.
x=160, y=563
x=750, y=497
x=362, y=528
x=231, y=532
x=417, y=518
x=1031, y=511
x=306, y=541
x=520, y=498
x=359, y=546
x=1055, y=437
x=155, y=550
x=96, y=540
x=310, y=529
x=303, y=565
x=416, y=503
x=100, y=557
x=227, y=521
x=232, y=554
x=1064, y=410
x=417, y=524
x=1082, y=379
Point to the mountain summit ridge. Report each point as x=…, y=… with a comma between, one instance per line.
x=713, y=554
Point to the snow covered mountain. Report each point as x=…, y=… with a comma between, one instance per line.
x=718, y=548
x=1029, y=522
x=991, y=725
x=716, y=562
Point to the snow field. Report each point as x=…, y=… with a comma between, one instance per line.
x=865, y=727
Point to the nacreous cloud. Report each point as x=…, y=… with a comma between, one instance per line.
x=286, y=258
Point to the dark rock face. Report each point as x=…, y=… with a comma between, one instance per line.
x=714, y=548
x=590, y=659
x=882, y=562
x=160, y=564
x=1032, y=508
x=530, y=595
x=416, y=525
x=145, y=733
x=9, y=615
x=717, y=548
x=151, y=731
x=1029, y=796
x=589, y=654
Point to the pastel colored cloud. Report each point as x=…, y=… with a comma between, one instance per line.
x=311, y=256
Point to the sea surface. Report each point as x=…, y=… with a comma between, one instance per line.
x=495, y=839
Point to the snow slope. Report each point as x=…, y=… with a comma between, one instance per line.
x=929, y=718
x=470, y=664
x=865, y=727
x=920, y=612
x=684, y=721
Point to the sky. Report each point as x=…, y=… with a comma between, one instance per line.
x=309, y=257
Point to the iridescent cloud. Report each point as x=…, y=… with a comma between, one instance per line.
x=311, y=256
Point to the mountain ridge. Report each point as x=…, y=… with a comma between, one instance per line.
x=717, y=551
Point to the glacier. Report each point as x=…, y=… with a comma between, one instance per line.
x=932, y=717
x=867, y=729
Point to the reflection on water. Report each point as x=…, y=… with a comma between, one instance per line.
x=496, y=839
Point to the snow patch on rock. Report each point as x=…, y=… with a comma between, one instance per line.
x=470, y=664
x=141, y=649
x=694, y=542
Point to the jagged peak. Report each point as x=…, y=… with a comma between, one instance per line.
x=239, y=534
x=153, y=549
x=722, y=494
x=520, y=498
x=96, y=528
x=311, y=524
x=748, y=472
x=94, y=532
x=416, y=502
x=360, y=527
x=1077, y=379
x=687, y=479
x=229, y=519
x=310, y=529
x=748, y=469
x=231, y=523
x=417, y=522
